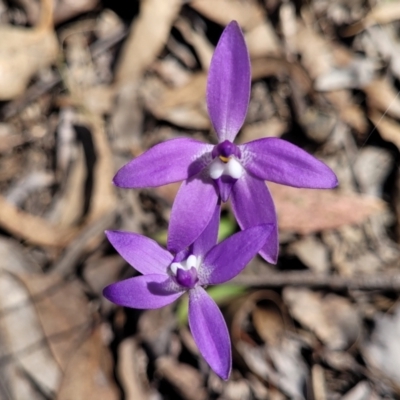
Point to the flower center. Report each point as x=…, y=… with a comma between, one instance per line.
x=226, y=155
x=185, y=271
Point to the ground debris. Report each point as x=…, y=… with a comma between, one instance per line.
x=87, y=85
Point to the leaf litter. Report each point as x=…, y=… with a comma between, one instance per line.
x=87, y=85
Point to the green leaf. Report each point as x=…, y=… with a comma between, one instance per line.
x=227, y=226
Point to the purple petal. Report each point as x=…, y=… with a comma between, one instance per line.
x=210, y=332
x=167, y=162
x=225, y=260
x=253, y=205
x=144, y=254
x=144, y=292
x=209, y=236
x=276, y=160
x=228, y=84
x=225, y=184
x=192, y=211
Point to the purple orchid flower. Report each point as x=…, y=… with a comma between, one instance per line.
x=165, y=278
x=226, y=170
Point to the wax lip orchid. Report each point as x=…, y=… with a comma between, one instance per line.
x=225, y=170
x=166, y=277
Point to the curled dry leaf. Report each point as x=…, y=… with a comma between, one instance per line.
x=32, y=228
x=307, y=210
x=332, y=318
x=25, y=51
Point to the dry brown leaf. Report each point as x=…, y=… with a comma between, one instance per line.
x=18, y=316
x=383, y=96
x=24, y=51
x=89, y=372
x=15, y=258
x=332, y=318
x=310, y=210
x=31, y=228
x=62, y=310
x=56, y=315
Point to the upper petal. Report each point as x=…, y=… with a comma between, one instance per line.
x=280, y=161
x=192, y=211
x=228, y=84
x=225, y=260
x=167, y=162
x=253, y=205
x=144, y=292
x=143, y=253
x=209, y=236
x=210, y=332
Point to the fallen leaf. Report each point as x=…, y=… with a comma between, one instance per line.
x=309, y=210
x=31, y=228
x=332, y=318
x=25, y=51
